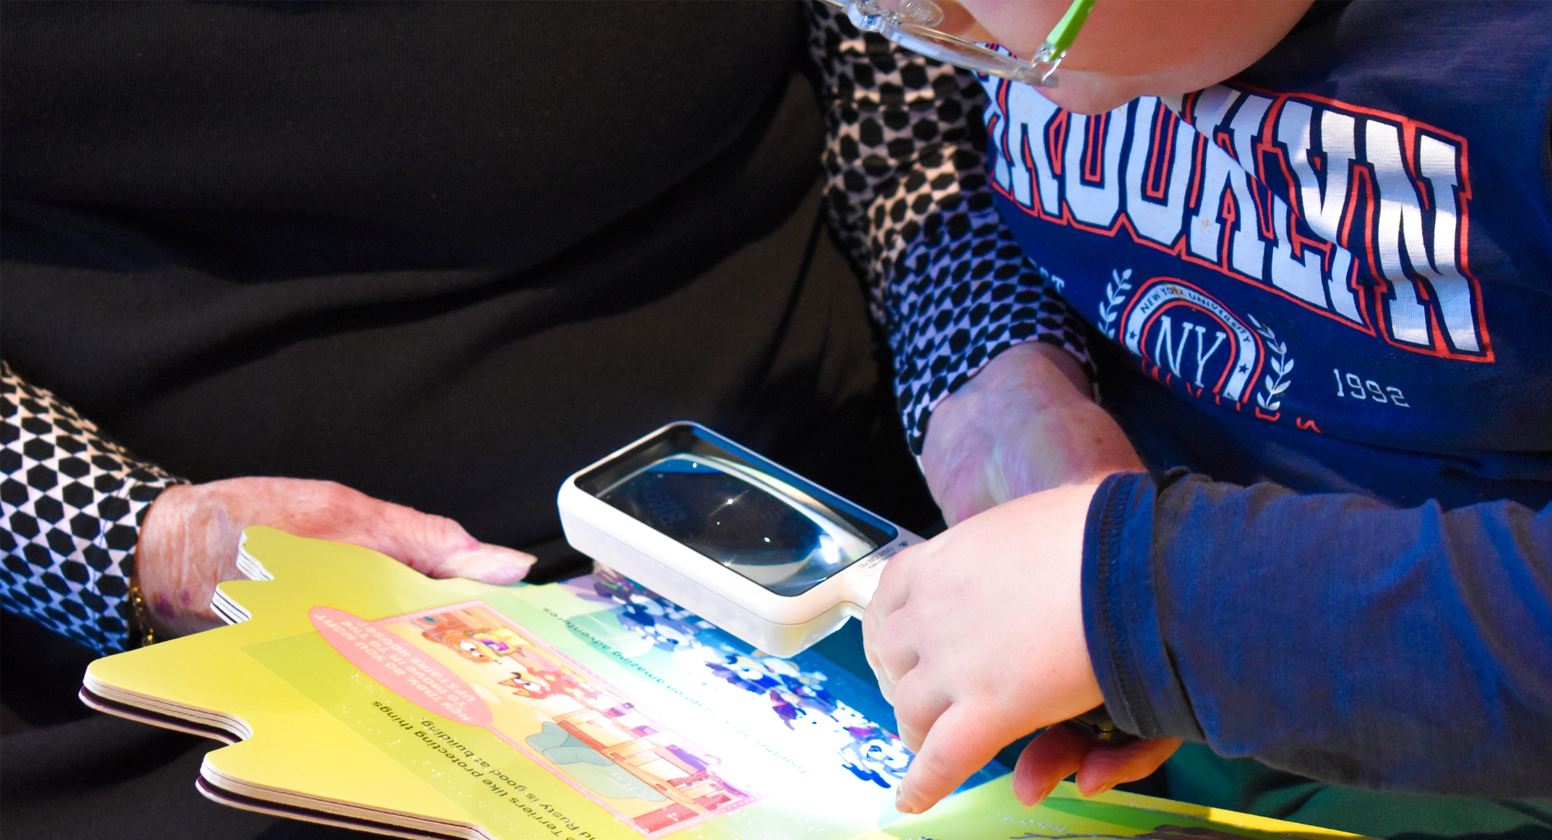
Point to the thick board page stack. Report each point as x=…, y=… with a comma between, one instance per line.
x=354, y=691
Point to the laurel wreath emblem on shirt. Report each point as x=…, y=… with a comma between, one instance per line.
x=1280, y=365
x=1115, y=295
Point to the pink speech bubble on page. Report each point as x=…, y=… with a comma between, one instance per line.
x=400, y=667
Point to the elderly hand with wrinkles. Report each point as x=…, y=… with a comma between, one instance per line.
x=189, y=540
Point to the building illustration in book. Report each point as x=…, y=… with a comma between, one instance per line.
x=555, y=711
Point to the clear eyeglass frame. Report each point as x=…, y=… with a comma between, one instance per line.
x=910, y=23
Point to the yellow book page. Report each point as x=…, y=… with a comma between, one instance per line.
x=590, y=709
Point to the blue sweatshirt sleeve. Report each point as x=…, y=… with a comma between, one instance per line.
x=1328, y=635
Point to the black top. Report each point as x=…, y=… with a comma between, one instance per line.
x=445, y=254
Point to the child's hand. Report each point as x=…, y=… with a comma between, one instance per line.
x=977, y=637
x=188, y=542
x=1062, y=751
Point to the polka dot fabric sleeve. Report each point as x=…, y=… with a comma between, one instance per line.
x=72, y=503
x=908, y=195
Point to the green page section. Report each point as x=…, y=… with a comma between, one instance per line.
x=991, y=812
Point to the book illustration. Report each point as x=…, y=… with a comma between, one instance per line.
x=470, y=663
x=357, y=692
x=797, y=697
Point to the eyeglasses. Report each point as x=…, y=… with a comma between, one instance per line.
x=910, y=23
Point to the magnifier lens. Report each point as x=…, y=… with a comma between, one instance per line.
x=768, y=532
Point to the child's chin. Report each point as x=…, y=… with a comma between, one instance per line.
x=1090, y=93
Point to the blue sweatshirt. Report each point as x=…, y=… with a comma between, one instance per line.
x=1325, y=286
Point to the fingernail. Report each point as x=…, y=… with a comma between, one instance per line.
x=1033, y=798
x=495, y=564
x=1040, y=797
x=1095, y=790
x=900, y=803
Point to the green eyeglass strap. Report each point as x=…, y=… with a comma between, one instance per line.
x=1066, y=29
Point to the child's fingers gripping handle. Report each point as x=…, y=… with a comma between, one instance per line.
x=864, y=577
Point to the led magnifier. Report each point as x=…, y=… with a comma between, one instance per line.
x=750, y=546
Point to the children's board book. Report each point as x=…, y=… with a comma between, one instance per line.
x=352, y=690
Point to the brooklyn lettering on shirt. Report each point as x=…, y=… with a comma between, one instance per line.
x=1356, y=214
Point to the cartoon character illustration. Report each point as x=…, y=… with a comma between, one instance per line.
x=746, y=673
x=803, y=689
x=660, y=621
x=525, y=685
x=536, y=682
x=479, y=644
x=879, y=758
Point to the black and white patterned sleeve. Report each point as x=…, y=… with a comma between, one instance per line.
x=72, y=503
x=908, y=195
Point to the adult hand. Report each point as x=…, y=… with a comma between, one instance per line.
x=1023, y=424
x=188, y=542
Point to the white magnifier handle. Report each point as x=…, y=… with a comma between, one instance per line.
x=863, y=586
x=862, y=579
